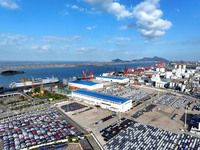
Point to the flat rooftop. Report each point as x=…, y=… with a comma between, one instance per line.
x=103, y=96
x=106, y=77
x=84, y=82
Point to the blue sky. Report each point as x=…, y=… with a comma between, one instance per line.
x=99, y=30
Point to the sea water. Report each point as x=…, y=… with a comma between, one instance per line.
x=59, y=72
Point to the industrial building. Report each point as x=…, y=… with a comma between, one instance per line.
x=85, y=85
x=112, y=79
x=109, y=102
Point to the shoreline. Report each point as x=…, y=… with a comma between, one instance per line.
x=63, y=65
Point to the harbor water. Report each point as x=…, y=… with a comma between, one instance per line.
x=59, y=72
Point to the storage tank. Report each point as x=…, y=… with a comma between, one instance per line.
x=157, y=69
x=184, y=67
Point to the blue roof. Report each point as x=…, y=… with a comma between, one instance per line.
x=102, y=96
x=110, y=77
x=84, y=82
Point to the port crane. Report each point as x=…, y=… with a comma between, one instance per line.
x=32, y=89
x=108, y=71
x=84, y=74
x=126, y=70
x=24, y=80
x=130, y=69
x=143, y=68
x=91, y=75
x=41, y=88
x=115, y=70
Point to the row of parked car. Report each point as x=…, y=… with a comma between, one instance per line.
x=106, y=119
x=196, y=107
x=28, y=119
x=72, y=107
x=146, y=109
x=188, y=142
x=90, y=108
x=113, y=129
x=59, y=146
x=41, y=132
x=141, y=136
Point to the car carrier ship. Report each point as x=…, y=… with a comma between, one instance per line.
x=26, y=82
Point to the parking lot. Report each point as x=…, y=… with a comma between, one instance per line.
x=113, y=129
x=188, y=142
x=87, y=119
x=35, y=128
x=180, y=103
x=28, y=119
x=146, y=109
x=141, y=136
x=165, y=100
x=72, y=106
x=126, y=92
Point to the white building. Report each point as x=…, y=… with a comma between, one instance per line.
x=109, y=102
x=85, y=85
x=160, y=69
x=112, y=79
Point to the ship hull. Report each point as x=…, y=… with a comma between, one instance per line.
x=35, y=83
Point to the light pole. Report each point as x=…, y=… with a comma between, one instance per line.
x=185, y=116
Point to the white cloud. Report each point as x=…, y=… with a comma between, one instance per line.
x=123, y=28
x=120, y=11
x=149, y=22
x=12, y=39
x=66, y=47
x=56, y=40
x=75, y=7
x=45, y=47
x=41, y=48
x=10, y=4
x=123, y=39
x=122, y=44
x=91, y=28
x=88, y=50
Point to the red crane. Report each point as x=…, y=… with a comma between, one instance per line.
x=84, y=74
x=130, y=69
x=161, y=64
x=108, y=71
x=126, y=70
x=115, y=70
x=91, y=75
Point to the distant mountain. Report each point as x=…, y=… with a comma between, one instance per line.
x=155, y=58
x=11, y=72
x=117, y=60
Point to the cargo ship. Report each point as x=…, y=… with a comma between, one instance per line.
x=26, y=82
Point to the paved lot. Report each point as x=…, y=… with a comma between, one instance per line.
x=73, y=146
x=88, y=118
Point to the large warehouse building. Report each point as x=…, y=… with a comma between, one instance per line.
x=85, y=85
x=112, y=103
x=112, y=79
